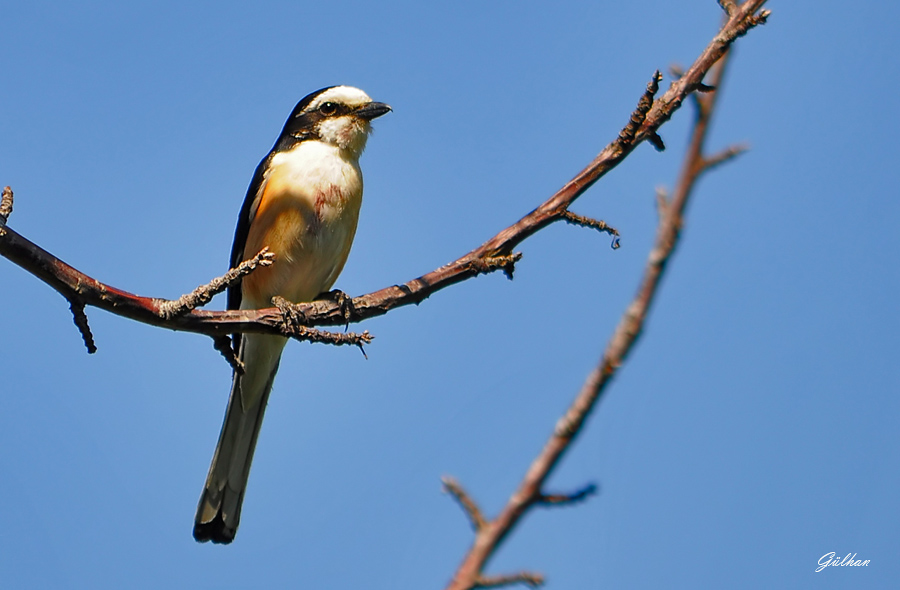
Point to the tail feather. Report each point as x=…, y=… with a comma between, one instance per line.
x=219, y=510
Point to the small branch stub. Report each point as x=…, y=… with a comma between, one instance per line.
x=489, y=264
x=476, y=517
x=723, y=156
x=6, y=205
x=567, y=499
x=752, y=22
x=81, y=322
x=656, y=141
x=530, y=579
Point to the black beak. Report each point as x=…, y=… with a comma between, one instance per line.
x=372, y=110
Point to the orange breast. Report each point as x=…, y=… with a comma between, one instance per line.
x=310, y=235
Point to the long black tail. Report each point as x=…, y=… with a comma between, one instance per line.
x=219, y=511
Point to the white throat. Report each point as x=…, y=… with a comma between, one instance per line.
x=347, y=133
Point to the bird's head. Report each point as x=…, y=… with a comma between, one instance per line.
x=339, y=115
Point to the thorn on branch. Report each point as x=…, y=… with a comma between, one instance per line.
x=487, y=264
x=452, y=487
x=292, y=326
x=531, y=579
x=204, y=293
x=223, y=345
x=6, y=205
x=626, y=136
x=567, y=499
x=81, y=322
x=599, y=225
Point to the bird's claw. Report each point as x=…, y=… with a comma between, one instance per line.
x=344, y=303
x=291, y=313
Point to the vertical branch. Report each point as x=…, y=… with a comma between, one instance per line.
x=491, y=535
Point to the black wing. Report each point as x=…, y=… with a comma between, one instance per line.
x=240, y=237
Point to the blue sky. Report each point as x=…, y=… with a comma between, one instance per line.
x=753, y=429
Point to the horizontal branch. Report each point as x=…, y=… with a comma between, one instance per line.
x=492, y=255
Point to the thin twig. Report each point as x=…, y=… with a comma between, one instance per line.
x=567, y=499
x=719, y=158
x=597, y=224
x=81, y=322
x=305, y=334
x=204, y=293
x=530, y=579
x=476, y=517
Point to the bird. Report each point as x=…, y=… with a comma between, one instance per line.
x=303, y=205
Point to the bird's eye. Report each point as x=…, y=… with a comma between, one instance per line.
x=328, y=108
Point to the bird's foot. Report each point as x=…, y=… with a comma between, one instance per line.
x=344, y=303
x=291, y=313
